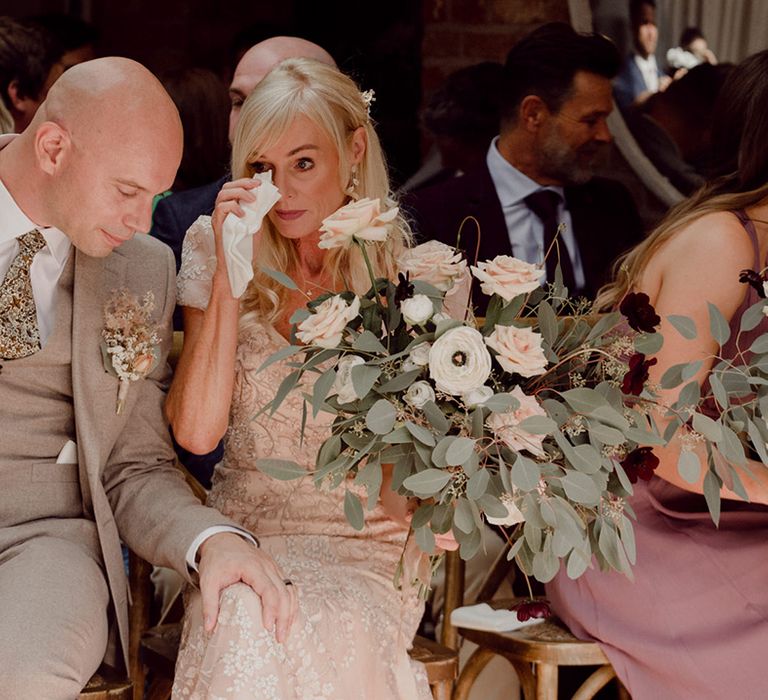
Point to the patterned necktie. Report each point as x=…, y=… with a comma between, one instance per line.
x=19, y=334
x=545, y=204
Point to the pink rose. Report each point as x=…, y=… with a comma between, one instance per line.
x=326, y=325
x=143, y=364
x=506, y=425
x=433, y=262
x=362, y=220
x=507, y=276
x=519, y=350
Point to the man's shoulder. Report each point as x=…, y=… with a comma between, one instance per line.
x=460, y=187
x=146, y=256
x=200, y=200
x=599, y=190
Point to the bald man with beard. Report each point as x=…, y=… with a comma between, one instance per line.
x=78, y=475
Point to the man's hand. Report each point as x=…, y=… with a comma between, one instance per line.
x=227, y=558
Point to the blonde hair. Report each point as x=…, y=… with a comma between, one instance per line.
x=304, y=87
x=712, y=198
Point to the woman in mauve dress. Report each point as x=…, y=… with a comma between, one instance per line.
x=693, y=625
x=308, y=125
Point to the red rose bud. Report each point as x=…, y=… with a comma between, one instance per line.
x=637, y=374
x=530, y=609
x=640, y=463
x=640, y=315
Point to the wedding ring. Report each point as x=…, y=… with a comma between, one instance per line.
x=287, y=582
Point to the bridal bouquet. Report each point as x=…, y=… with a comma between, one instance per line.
x=535, y=419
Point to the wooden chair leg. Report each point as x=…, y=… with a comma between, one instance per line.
x=621, y=692
x=472, y=669
x=159, y=689
x=526, y=677
x=589, y=688
x=442, y=690
x=141, y=601
x=546, y=682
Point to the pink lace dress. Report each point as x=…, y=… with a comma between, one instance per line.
x=354, y=628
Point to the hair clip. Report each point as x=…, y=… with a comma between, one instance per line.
x=368, y=96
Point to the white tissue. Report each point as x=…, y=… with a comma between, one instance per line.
x=483, y=617
x=237, y=233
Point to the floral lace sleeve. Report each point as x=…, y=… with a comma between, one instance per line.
x=198, y=263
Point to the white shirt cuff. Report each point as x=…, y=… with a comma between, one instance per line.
x=210, y=532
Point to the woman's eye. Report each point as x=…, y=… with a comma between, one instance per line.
x=259, y=167
x=305, y=164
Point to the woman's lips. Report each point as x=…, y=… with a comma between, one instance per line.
x=289, y=214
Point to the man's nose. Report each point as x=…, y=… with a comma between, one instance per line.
x=139, y=220
x=602, y=132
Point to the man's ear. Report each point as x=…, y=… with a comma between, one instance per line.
x=52, y=144
x=358, y=144
x=533, y=113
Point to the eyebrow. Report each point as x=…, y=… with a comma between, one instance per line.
x=298, y=149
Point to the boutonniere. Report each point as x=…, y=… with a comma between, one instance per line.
x=130, y=345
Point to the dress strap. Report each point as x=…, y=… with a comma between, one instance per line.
x=749, y=227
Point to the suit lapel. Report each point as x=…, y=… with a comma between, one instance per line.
x=485, y=206
x=580, y=202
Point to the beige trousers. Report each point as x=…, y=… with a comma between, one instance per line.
x=53, y=609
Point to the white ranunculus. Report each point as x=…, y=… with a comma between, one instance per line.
x=477, y=397
x=325, y=327
x=362, y=220
x=433, y=262
x=514, y=514
x=419, y=393
x=506, y=425
x=459, y=361
x=519, y=350
x=507, y=276
x=342, y=385
x=417, y=310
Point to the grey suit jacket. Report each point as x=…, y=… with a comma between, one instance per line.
x=129, y=482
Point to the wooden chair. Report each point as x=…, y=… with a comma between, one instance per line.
x=107, y=686
x=536, y=652
x=153, y=649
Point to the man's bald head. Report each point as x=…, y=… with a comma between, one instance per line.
x=106, y=140
x=262, y=58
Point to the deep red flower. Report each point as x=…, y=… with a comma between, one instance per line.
x=531, y=608
x=641, y=316
x=640, y=463
x=754, y=280
x=637, y=374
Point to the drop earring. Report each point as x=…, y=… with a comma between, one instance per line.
x=351, y=190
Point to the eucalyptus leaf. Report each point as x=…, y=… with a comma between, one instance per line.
x=525, y=474
x=470, y=545
x=752, y=317
x=689, y=466
x=538, y=425
x=627, y=534
x=282, y=469
x=545, y=565
x=685, y=326
x=499, y=403
x=436, y=417
x=711, y=487
x=649, y=343
x=690, y=370
x=438, y=454
x=514, y=549
x=399, y=382
x=279, y=277
x=709, y=428
x=363, y=378
x=758, y=442
x=719, y=327
x=368, y=342
x=533, y=535
x=459, y=451
x=492, y=506
x=581, y=488
x=399, y=435
x=371, y=477
x=547, y=322
x=760, y=345
x=425, y=538
x=427, y=483
x=422, y=515
x=281, y=354
x=353, y=509
x=578, y=563
x=381, y=417
x=320, y=390
x=731, y=448
x=604, y=434
x=462, y=516
x=423, y=435
x=478, y=484
x=626, y=484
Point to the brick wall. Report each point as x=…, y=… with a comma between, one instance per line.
x=458, y=33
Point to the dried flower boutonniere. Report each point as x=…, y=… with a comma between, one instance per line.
x=130, y=346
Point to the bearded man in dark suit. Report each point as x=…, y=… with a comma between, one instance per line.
x=536, y=195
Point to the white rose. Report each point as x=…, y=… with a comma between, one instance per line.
x=433, y=262
x=342, y=385
x=326, y=325
x=519, y=350
x=440, y=316
x=418, y=394
x=417, y=310
x=514, y=514
x=459, y=361
x=506, y=425
x=477, y=397
x=418, y=357
x=507, y=276
x=362, y=220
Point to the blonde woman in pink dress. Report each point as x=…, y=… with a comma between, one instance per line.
x=307, y=124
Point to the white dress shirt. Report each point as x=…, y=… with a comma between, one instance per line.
x=525, y=229
x=649, y=70
x=44, y=273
